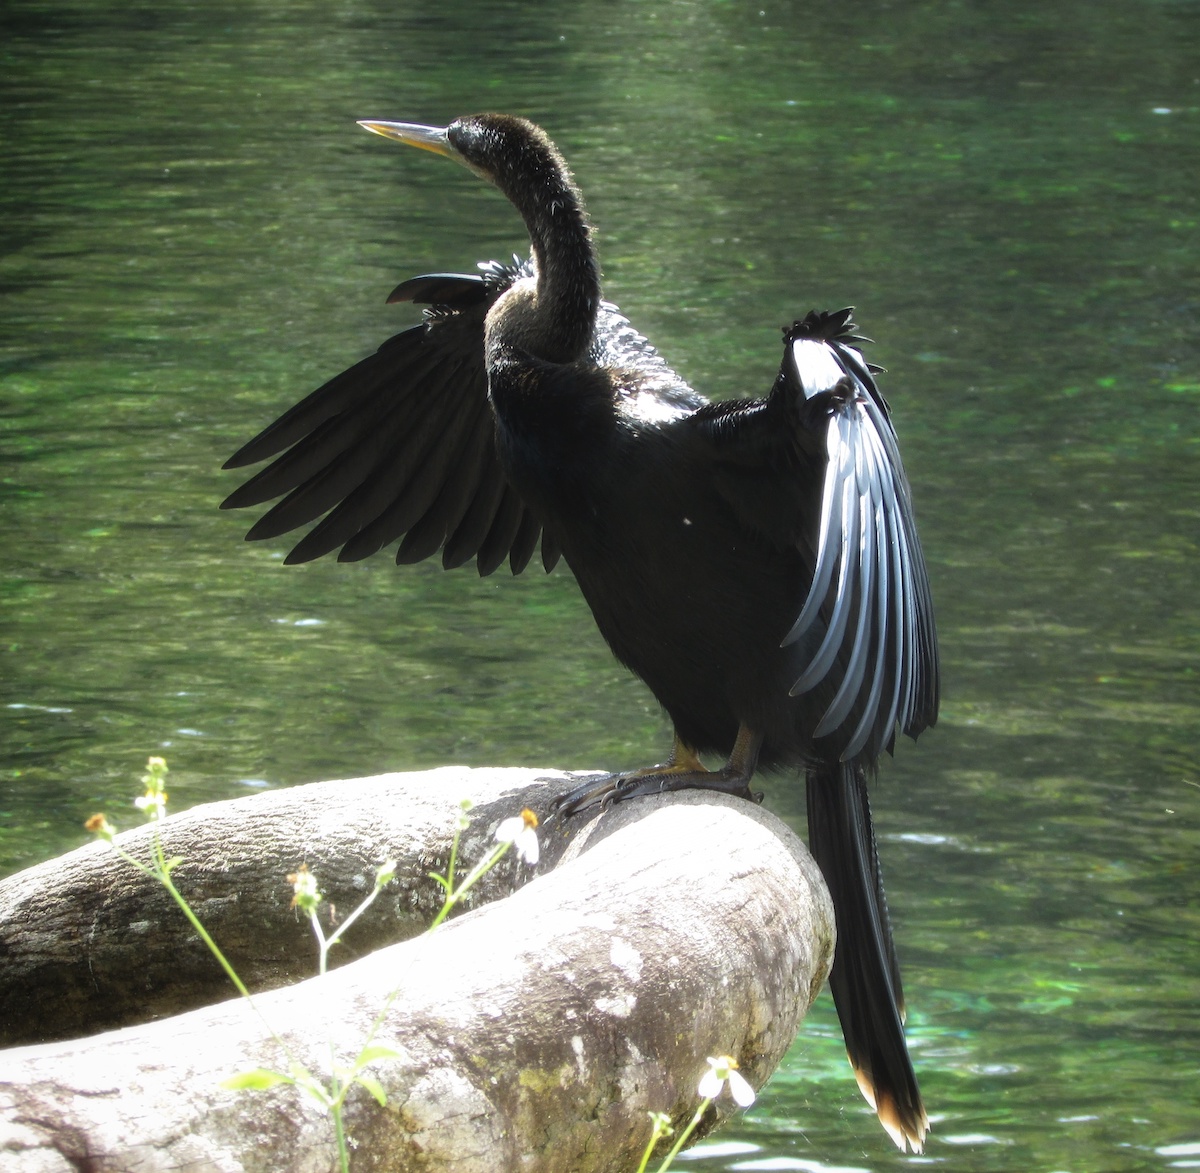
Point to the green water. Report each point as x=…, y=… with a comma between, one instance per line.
x=193, y=233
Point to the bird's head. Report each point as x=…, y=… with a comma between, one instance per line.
x=554, y=314
x=500, y=148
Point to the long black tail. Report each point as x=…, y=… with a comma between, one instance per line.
x=865, y=979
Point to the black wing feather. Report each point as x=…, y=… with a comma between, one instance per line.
x=470, y=533
x=502, y=532
x=551, y=552
x=402, y=485
x=342, y=393
x=453, y=290
x=868, y=604
x=863, y=640
x=400, y=445
x=441, y=519
x=525, y=542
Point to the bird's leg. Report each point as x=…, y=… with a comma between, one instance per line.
x=604, y=789
x=682, y=771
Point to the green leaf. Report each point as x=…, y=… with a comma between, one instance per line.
x=373, y=1086
x=315, y=1091
x=257, y=1080
x=374, y=1053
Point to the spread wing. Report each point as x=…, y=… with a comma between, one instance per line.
x=868, y=616
x=401, y=445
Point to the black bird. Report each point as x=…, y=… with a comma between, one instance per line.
x=755, y=561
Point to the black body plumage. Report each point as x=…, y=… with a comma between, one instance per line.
x=755, y=562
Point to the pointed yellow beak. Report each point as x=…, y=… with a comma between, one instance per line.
x=428, y=138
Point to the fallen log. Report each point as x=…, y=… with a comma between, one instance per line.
x=534, y=1032
x=89, y=943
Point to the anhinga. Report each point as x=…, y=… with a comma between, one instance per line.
x=755, y=561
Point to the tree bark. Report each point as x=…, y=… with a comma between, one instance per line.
x=88, y=943
x=535, y=1032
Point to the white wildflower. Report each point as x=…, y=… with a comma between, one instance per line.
x=155, y=805
x=304, y=885
x=723, y=1070
x=521, y=832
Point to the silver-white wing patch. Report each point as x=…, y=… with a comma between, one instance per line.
x=869, y=584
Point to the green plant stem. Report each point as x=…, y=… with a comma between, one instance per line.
x=337, y=1096
x=339, y=1131
x=354, y=915
x=480, y=869
x=453, y=862
x=331, y=1097
x=162, y=873
x=656, y=1134
x=203, y=932
x=681, y=1140
x=323, y=944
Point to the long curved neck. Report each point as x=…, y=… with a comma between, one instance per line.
x=556, y=323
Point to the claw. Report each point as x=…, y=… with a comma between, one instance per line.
x=683, y=771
